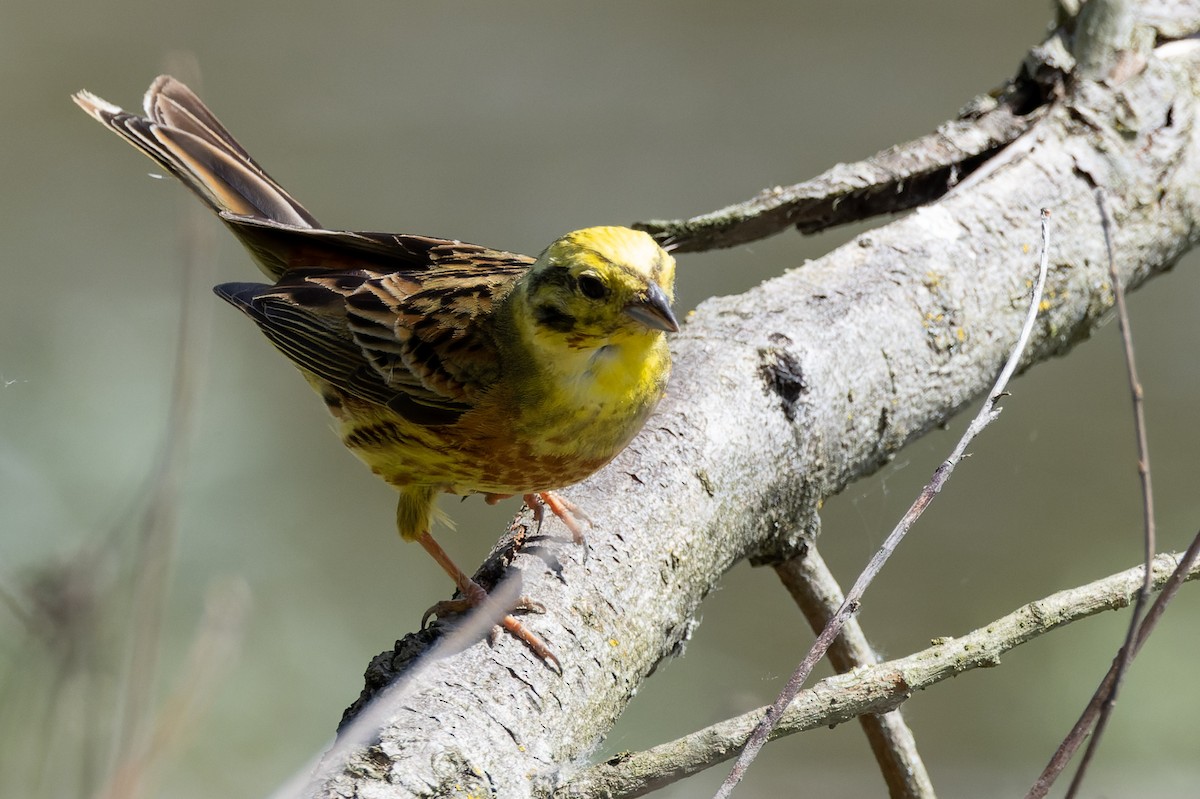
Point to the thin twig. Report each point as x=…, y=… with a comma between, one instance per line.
x=1125, y=656
x=1184, y=571
x=818, y=595
x=1106, y=693
x=881, y=688
x=850, y=606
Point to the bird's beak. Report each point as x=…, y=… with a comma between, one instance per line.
x=654, y=310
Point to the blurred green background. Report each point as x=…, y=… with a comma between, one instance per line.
x=508, y=124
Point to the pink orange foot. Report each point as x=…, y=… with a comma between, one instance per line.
x=568, y=512
x=564, y=510
x=473, y=595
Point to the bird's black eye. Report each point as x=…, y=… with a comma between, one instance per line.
x=592, y=287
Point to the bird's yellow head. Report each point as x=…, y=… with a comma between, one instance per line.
x=601, y=285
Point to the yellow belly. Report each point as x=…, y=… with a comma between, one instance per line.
x=503, y=446
x=530, y=433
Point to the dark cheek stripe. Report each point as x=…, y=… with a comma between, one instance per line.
x=553, y=318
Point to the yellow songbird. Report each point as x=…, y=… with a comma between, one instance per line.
x=449, y=367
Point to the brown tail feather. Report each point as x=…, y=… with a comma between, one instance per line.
x=183, y=136
x=185, y=139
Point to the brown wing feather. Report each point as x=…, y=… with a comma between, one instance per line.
x=306, y=321
x=418, y=341
x=281, y=247
x=437, y=328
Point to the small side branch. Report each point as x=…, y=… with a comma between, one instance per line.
x=1137, y=396
x=875, y=689
x=818, y=595
x=1186, y=570
x=899, y=178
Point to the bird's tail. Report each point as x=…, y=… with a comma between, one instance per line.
x=186, y=139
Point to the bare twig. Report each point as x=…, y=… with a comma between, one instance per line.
x=1184, y=571
x=881, y=688
x=1125, y=656
x=1106, y=693
x=818, y=595
x=850, y=606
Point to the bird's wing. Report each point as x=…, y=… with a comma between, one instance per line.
x=418, y=340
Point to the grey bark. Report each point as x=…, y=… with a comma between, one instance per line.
x=783, y=396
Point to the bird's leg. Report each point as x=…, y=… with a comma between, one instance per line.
x=474, y=595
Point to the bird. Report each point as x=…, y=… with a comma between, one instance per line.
x=448, y=367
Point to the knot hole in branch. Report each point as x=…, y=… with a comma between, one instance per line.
x=783, y=375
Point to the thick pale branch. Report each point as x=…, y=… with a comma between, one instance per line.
x=781, y=397
x=874, y=689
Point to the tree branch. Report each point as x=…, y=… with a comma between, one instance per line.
x=874, y=689
x=780, y=397
x=1149, y=538
x=897, y=179
x=818, y=594
x=987, y=414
